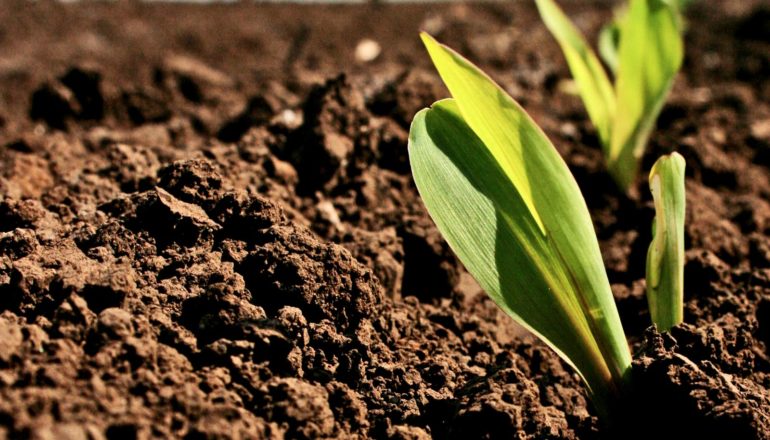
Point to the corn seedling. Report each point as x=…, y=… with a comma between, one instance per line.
x=609, y=36
x=643, y=47
x=665, y=258
x=511, y=210
x=509, y=207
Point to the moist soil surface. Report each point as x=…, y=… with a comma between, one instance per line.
x=208, y=229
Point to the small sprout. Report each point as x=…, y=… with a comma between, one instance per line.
x=665, y=258
x=644, y=49
x=609, y=36
x=509, y=207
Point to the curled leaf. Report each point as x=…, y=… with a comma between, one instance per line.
x=665, y=258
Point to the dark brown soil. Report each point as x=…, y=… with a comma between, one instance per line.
x=208, y=231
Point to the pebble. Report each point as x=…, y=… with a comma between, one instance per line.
x=367, y=50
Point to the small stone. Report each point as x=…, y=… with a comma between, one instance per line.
x=367, y=50
x=290, y=118
x=433, y=24
x=328, y=213
x=761, y=129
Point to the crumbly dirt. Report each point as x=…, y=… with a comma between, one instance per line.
x=208, y=229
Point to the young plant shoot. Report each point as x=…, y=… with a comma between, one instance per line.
x=509, y=207
x=609, y=35
x=644, y=49
x=665, y=258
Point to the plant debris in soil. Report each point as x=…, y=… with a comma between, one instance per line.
x=208, y=230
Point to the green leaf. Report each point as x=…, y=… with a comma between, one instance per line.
x=644, y=48
x=609, y=40
x=665, y=258
x=511, y=210
x=594, y=85
x=650, y=54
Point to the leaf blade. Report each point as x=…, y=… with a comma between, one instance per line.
x=476, y=207
x=650, y=54
x=665, y=257
x=593, y=83
x=609, y=39
x=458, y=76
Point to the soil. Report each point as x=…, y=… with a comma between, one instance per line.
x=208, y=229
